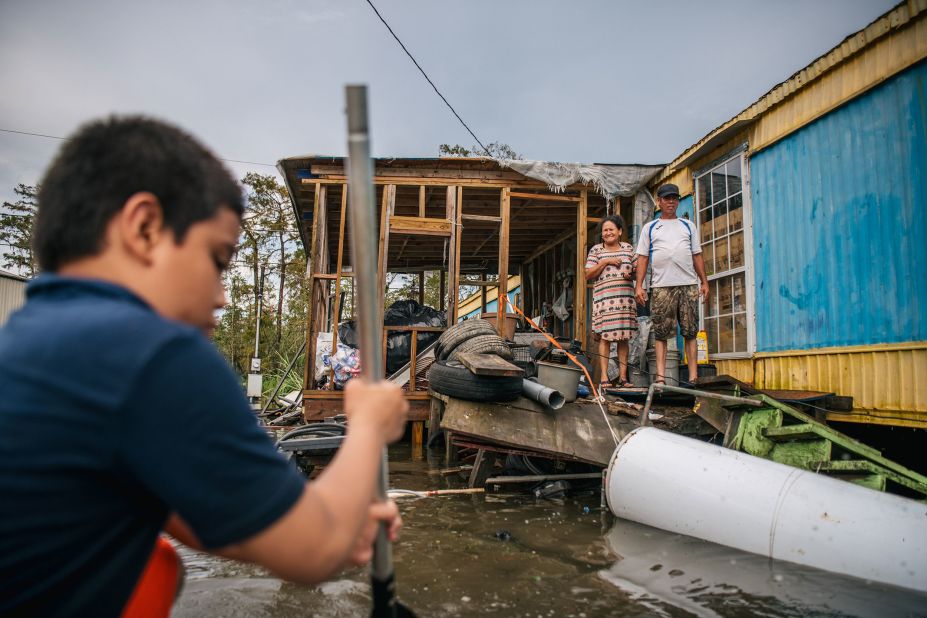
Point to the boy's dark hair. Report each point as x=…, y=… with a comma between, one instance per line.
x=616, y=219
x=106, y=162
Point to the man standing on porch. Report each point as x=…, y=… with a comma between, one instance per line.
x=671, y=245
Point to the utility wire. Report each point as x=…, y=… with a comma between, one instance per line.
x=67, y=138
x=415, y=62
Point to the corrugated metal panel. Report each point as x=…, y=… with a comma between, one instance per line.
x=839, y=245
x=741, y=369
x=877, y=380
x=12, y=297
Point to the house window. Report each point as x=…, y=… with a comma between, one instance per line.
x=720, y=206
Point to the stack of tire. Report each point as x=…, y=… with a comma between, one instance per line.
x=448, y=376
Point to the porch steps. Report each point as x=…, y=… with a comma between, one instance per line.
x=781, y=433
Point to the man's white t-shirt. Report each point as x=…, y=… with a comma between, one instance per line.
x=670, y=244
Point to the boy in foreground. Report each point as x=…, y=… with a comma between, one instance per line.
x=118, y=417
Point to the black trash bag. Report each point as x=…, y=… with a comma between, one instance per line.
x=399, y=344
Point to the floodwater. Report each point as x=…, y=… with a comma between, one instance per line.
x=515, y=555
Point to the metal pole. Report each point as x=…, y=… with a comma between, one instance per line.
x=364, y=245
x=656, y=386
x=257, y=322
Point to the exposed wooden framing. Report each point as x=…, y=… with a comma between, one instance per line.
x=566, y=234
x=421, y=201
x=318, y=302
x=386, y=210
x=579, y=281
x=455, y=285
x=418, y=174
x=413, y=351
x=329, y=276
x=546, y=198
x=419, y=225
x=421, y=288
x=502, y=297
x=338, y=263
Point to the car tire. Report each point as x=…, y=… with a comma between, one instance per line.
x=483, y=344
x=454, y=380
x=458, y=333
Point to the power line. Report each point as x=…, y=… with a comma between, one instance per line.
x=64, y=139
x=415, y=62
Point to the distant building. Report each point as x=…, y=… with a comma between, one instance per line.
x=12, y=294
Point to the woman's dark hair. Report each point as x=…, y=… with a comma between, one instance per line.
x=616, y=219
x=104, y=164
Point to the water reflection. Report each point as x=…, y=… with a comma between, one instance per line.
x=513, y=555
x=711, y=580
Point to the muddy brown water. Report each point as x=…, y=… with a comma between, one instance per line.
x=514, y=555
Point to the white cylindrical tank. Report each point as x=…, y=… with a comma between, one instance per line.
x=727, y=497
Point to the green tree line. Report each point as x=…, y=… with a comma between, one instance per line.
x=269, y=267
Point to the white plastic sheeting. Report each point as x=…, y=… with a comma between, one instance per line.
x=610, y=181
x=727, y=497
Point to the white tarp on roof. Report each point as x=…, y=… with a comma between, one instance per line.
x=609, y=180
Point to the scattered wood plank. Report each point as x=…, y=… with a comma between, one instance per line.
x=540, y=478
x=577, y=431
x=488, y=365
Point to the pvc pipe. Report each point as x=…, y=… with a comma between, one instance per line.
x=727, y=497
x=544, y=395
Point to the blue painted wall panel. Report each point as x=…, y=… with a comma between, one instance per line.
x=840, y=227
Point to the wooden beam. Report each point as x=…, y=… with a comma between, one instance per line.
x=546, y=197
x=317, y=301
x=421, y=201
x=442, y=290
x=310, y=341
x=420, y=225
x=386, y=210
x=454, y=264
x=338, y=265
x=502, y=298
x=414, y=173
x=487, y=218
x=579, y=279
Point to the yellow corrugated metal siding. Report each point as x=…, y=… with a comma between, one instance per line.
x=869, y=67
x=741, y=369
x=882, y=379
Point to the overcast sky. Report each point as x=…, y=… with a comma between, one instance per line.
x=588, y=81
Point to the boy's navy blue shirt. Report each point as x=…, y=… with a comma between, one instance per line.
x=110, y=418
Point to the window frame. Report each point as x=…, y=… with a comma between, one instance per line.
x=747, y=267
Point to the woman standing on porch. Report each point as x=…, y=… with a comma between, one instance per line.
x=614, y=314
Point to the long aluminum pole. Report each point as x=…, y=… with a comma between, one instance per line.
x=364, y=245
